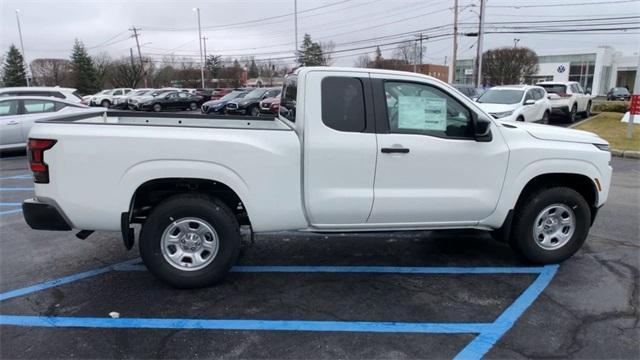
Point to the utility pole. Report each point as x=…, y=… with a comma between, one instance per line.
x=515, y=42
x=455, y=42
x=197, y=10
x=295, y=24
x=415, y=58
x=24, y=57
x=421, y=49
x=204, y=43
x=635, y=92
x=478, y=72
x=142, y=72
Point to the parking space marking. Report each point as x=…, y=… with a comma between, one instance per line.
x=21, y=176
x=488, y=333
x=17, y=189
x=9, y=212
x=10, y=204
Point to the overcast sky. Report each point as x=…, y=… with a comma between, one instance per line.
x=239, y=28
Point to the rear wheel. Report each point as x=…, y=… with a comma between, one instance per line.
x=587, y=111
x=520, y=118
x=157, y=107
x=190, y=241
x=573, y=113
x=254, y=111
x=550, y=225
x=105, y=103
x=193, y=106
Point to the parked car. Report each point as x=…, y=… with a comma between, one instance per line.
x=619, y=93
x=438, y=161
x=568, y=99
x=172, y=100
x=219, y=93
x=516, y=103
x=109, y=97
x=270, y=106
x=469, y=90
x=18, y=113
x=68, y=94
x=122, y=102
x=217, y=106
x=135, y=102
x=250, y=103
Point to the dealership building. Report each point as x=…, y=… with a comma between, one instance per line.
x=598, y=69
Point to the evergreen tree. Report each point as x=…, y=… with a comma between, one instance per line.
x=14, y=73
x=311, y=53
x=253, y=70
x=378, y=62
x=84, y=72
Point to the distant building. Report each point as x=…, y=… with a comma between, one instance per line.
x=440, y=72
x=598, y=69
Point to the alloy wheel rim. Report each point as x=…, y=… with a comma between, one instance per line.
x=189, y=244
x=554, y=226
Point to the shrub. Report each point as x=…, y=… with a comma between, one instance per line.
x=611, y=106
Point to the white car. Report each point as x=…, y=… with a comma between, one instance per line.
x=68, y=94
x=516, y=103
x=18, y=113
x=352, y=150
x=108, y=97
x=568, y=99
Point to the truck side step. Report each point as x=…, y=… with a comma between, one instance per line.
x=83, y=234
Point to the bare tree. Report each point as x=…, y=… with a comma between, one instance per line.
x=508, y=65
x=327, y=49
x=407, y=52
x=124, y=73
x=51, y=72
x=363, y=61
x=102, y=62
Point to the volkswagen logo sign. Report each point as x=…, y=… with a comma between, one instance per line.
x=561, y=69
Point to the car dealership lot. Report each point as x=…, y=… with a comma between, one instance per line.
x=588, y=310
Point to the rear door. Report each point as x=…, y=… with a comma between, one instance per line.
x=431, y=171
x=339, y=156
x=10, y=127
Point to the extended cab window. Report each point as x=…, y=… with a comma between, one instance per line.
x=288, y=98
x=343, y=104
x=422, y=109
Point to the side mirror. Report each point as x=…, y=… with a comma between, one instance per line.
x=529, y=102
x=483, y=130
x=475, y=98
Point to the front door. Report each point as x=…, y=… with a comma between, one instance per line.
x=10, y=127
x=430, y=168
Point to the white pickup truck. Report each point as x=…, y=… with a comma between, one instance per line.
x=352, y=150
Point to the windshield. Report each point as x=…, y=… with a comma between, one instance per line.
x=256, y=94
x=501, y=96
x=159, y=92
x=232, y=95
x=139, y=92
x=620, y=91
x=555, y=88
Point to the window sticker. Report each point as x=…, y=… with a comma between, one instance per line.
x=421, y=113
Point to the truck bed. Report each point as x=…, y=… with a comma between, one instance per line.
x=172, y=119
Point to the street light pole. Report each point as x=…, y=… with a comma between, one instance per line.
x=479, y=45
x=197, y=10
x=455, y=42
x=24, y=57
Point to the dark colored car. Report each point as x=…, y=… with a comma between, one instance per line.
x=619, y=93
x=217, y=106
x=219, y=93
x=250, y=104
x=172, y=100
x=268, y=105
x=469, y=90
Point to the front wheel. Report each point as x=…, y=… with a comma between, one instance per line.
x=254, y=111
x=545, y=118
x=573, y=113
x=193, y=106
x=550, y=225
x=587, y=111
x=190, y=241
x=157, y=107
x=105, y=103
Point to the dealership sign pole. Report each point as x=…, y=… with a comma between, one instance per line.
x=634, y=109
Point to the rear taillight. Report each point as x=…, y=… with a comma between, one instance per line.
x=36, y=148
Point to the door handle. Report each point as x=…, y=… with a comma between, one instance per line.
x=395, y=150
x=12, y=122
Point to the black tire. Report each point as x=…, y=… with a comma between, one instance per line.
x=202, y=207
x=193, y=106
x=254, y=111
x=587, y=111
x=520, y=118
x=573, y=114
x=156, y=107
x=105, y=103
x=545, y=118
x=522, y=236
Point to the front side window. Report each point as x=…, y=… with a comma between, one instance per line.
x=9, y=107
x=343, y=104
x=423, y=109
x=288, y=98
x=38, y=106
x=117, y=92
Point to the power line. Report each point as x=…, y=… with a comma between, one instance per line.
x=561, y=5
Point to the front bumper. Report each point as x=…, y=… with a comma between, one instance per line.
x=41, y=216
x=560, y=110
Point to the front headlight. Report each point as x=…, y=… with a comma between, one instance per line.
x=500, y=115
x=603, y=147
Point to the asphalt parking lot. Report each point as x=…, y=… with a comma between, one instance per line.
x=397, y=296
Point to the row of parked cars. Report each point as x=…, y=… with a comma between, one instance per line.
x=534, y=102
x=254, y=102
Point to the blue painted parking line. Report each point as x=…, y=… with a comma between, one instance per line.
x=21, y=176
x=488, y=333
x=10, y=204
x=16, y=189
x=9, y=212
